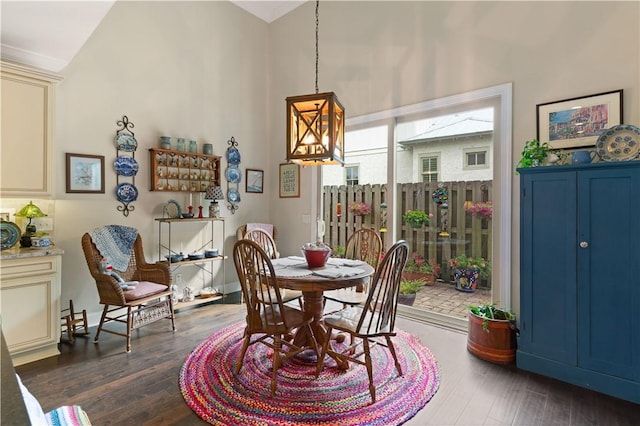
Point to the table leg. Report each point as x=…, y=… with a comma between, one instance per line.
x=313, y=307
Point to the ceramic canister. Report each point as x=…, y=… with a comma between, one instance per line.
x=165, y=142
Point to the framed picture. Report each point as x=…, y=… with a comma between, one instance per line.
x=289, y=180
x=254, y=180
x=575, y=122
x=85, y=174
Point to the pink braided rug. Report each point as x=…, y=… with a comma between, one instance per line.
x=336, y=397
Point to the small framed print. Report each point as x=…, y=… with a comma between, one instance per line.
x=254, y=181
x=85, y=174
x=576, y=122
x=289, y=180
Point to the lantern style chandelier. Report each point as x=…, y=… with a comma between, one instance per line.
x=315, y=125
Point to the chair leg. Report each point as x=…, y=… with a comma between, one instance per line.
x=277, y=348
x=245, y=345
x=367, y=361
x=129, y=324
x=173, y=315
x=104, y=314
x=392, y=349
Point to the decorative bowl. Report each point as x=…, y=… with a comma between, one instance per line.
x=316, y=254
x=187, y=215
x=196, y=256
x=173, y=258
x=211, y=253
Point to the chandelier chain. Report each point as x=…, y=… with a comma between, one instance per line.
x=317, y=24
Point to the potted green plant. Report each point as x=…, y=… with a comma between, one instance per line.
x=417, y=268
x=408, y=290
x=534, y=153
x=491, y=333
x=467, y=270
x=416, y=218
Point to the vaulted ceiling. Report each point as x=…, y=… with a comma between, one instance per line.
x=48, y=34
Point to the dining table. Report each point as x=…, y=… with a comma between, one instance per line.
x=293, y=273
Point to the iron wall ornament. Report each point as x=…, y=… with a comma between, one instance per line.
x=126, y=166
x=233, y=174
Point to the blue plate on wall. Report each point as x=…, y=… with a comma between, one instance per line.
x=233, y=174
x=126, y=192
x=9, y=234
x=233, y=156
x=126, y=166
x=126, y=142
x=233, y=196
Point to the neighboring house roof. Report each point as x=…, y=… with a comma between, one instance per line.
x=456, y=125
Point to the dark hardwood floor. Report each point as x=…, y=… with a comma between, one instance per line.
x=141, y=388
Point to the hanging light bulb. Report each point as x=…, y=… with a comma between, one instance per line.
x=315, y=124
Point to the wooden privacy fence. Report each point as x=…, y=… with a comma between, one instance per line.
x=467, y=234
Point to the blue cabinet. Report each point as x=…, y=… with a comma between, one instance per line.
x=580, y=275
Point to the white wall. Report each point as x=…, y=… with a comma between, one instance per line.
x=209, y=70
x=191, y=69
x=380, y=55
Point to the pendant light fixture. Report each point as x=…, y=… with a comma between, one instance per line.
x=315, y=125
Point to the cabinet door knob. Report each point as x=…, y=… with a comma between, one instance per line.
x=584, y=244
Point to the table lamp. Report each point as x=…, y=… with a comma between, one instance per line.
x=30, y=211
x=214, y=193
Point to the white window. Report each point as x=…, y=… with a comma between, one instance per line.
x=429, y=169
x=351, y=174
x=476, y=158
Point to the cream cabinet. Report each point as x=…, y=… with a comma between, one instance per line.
x=26, y=146
x=30, y=303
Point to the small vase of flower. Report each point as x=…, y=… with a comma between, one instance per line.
x=359, y=208
x=467, y=270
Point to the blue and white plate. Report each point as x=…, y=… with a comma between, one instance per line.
x=126, y=142
x=233, y=196
x=233, y=156
x=126, y=192
x=233, y=174
x=619, y=143
x=126, y=166
x=172, y=209
x=9, y=234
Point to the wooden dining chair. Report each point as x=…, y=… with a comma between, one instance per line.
x=365, y=244
x=269, y=320
x=149, y=301
x=266, y=243
x=372, y=323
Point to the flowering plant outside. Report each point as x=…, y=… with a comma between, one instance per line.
x=359, y=208
x=477, y=263
x=417, y=263
x=484, y=210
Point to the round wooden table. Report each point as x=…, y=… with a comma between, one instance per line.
x=313, y=287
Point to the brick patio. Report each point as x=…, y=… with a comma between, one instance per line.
x=445, y=299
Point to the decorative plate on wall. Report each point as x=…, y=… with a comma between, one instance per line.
x=126, y=142
x=233, y=155
x=233, y=174
x=126, y=192
x=233, y=195
x=126, y=166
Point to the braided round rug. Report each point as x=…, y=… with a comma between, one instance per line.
x=336, y=397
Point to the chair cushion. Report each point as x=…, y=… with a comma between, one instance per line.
x=144, y=289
